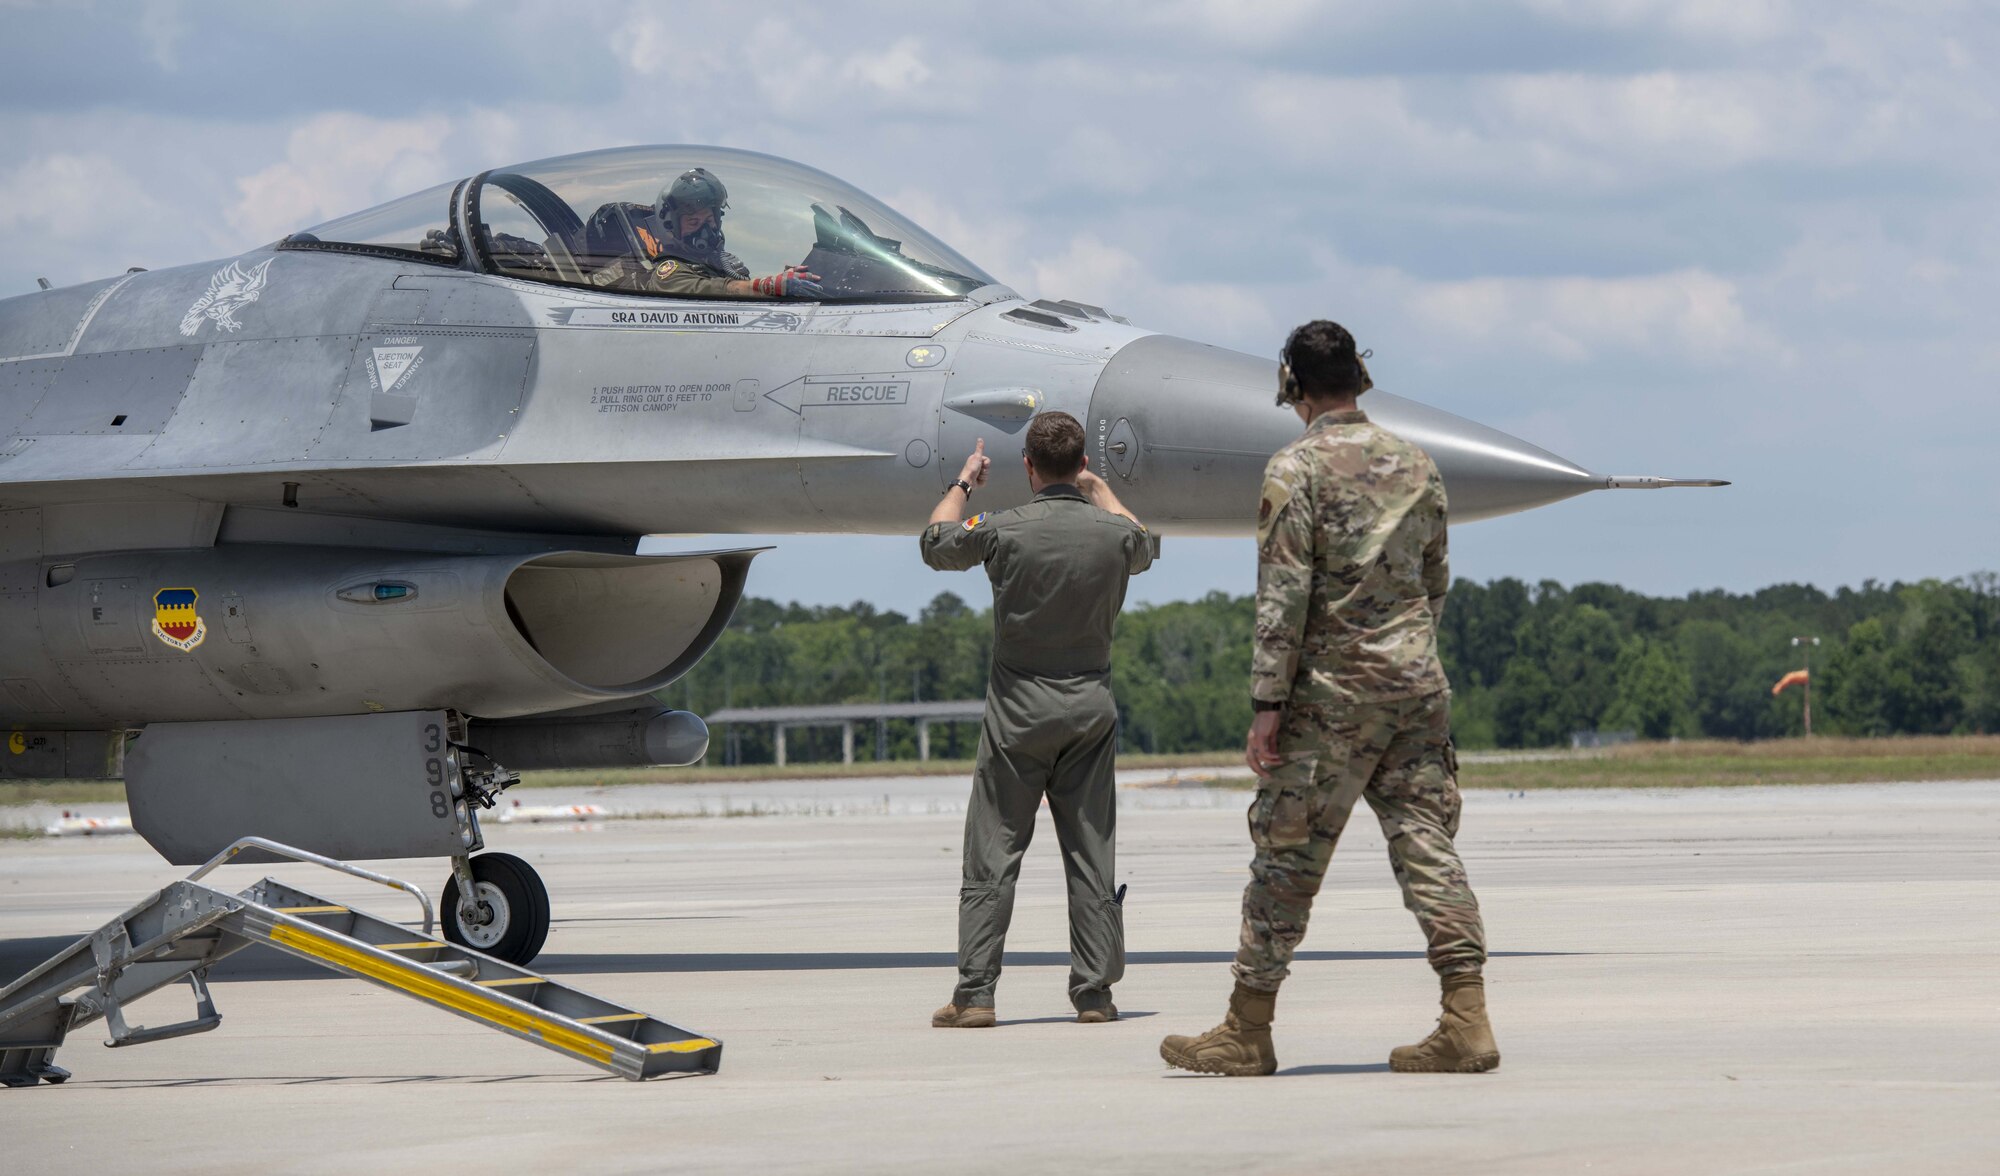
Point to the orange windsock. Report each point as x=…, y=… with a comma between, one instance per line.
x=1795, y=678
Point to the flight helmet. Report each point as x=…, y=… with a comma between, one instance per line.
x=696, y=187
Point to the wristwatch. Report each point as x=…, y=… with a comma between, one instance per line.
x=962, y=484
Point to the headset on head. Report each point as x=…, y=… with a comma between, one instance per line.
x=1289, y=391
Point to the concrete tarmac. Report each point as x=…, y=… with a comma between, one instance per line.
x=1719, y=981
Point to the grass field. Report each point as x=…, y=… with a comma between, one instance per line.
x=1692, y=764
x=62, y=792
x=1714, y=763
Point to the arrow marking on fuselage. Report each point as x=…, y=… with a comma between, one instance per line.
x=838, y=392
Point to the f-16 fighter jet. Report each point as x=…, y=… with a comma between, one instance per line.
x=326, y=542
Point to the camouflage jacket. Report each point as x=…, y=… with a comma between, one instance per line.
x=1351, y=567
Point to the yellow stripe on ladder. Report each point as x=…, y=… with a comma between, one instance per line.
x=429, y=985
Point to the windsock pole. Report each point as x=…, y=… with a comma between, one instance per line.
x=1805, y=645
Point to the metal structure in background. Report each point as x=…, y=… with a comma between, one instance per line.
x=179, y=933
x=847, y=715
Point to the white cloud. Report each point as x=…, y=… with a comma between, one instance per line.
x=899, y=69
x=1089, y=270
x=163, y=24
x=800, y=79
x=1242, y=24
x=1092, y=271
x=651, y=44
x=1724, y=20
x=1692, y=315
x=340, y=163
x=64, y=196
x=643, y=45
x=1559, y=133
x=1366, y=130
x=1098, y=158
x=1708, y=120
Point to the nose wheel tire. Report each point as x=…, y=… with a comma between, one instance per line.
x=512, y=894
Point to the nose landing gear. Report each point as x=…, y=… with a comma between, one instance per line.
x=496, y=904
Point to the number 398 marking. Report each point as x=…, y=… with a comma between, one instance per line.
x=434, y=771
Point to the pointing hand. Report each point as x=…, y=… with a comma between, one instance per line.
x=977, y=465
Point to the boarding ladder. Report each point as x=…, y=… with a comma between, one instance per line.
x=180, y=932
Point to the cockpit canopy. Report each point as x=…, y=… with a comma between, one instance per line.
x=599, y=220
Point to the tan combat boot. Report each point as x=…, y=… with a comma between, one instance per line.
x=954, y=1016
x=1239, y=1047
x=1463, y=1041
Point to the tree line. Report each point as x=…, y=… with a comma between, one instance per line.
x=1529, y=665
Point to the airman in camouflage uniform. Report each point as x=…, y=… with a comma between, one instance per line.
x=1352, y=704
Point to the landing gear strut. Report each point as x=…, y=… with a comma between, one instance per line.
x=496, y=904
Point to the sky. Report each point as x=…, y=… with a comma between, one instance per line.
x=1721, y=238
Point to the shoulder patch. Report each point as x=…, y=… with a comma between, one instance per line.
x=666, y=268
x=1277, y=494
x=975, y=520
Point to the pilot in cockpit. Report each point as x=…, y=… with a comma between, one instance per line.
x=690, y=209
x=689, y=258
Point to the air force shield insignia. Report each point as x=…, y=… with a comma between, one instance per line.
x=175, y=620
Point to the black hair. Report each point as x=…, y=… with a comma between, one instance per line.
x=1323, y=359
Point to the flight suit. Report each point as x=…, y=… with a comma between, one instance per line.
x=1059, y=567
x=689, y=278
x=1351, y=578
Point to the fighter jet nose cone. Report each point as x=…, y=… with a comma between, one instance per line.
x=1487, y=473
x=1183, y=430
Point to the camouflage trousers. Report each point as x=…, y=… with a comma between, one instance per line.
x=1398, y=755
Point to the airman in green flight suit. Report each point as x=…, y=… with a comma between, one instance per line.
x=1059, y=566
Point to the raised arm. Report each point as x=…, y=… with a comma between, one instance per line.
x=951, y=508
x=1141, y=546
x=1099, y=492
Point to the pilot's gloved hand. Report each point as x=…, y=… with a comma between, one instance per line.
x=795, y=282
